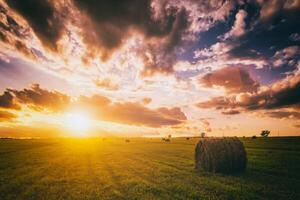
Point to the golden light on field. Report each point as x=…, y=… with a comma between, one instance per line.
x=79, y=123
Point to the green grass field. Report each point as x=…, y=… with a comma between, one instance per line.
x=142, y=169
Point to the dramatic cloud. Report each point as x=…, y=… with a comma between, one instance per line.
x=42, y=18
x=111, y=24
x=101, y=107
x=282, y=94
x=40, y=99
x=232, y=79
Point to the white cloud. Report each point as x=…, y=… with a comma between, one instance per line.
x=239, y=27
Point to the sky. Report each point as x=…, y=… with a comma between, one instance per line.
x=149, y=68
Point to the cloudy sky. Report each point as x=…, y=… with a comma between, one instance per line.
x=149, y=67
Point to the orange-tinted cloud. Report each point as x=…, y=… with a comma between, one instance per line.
x=106, y=84
x=175, y=112
x=41, y=99
x=281, y=94
x=7, y=116
x=232, y=79
x=131, y=113
x=7, y=101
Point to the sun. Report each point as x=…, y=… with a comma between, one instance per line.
x=78, y=122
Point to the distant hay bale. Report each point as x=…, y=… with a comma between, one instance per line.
x=220, y=155
x=127, y=140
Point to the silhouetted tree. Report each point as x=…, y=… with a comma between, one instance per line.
x=265, y=133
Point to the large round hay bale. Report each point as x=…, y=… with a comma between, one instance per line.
x=220, y=155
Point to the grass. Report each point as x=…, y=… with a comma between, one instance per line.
x=142, y=169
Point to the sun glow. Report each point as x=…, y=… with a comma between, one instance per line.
x=79, y=123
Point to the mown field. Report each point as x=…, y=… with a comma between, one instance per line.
x=142, y=169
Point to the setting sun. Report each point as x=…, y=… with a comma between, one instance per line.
x=78, y=122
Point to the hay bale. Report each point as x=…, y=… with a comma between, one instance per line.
x=220, y=155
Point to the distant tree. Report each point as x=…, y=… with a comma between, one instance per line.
x=265, y=133
x=169, y=136
x=254, y=137
x=203, y=135
x=187, y=138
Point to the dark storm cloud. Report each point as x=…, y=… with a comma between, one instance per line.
x=164, y=55
x=232, y=79
x=112, y=19
x=41, y=16
x=112, y=22
x=41, y=99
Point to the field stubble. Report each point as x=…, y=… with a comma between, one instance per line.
x=143, y=168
